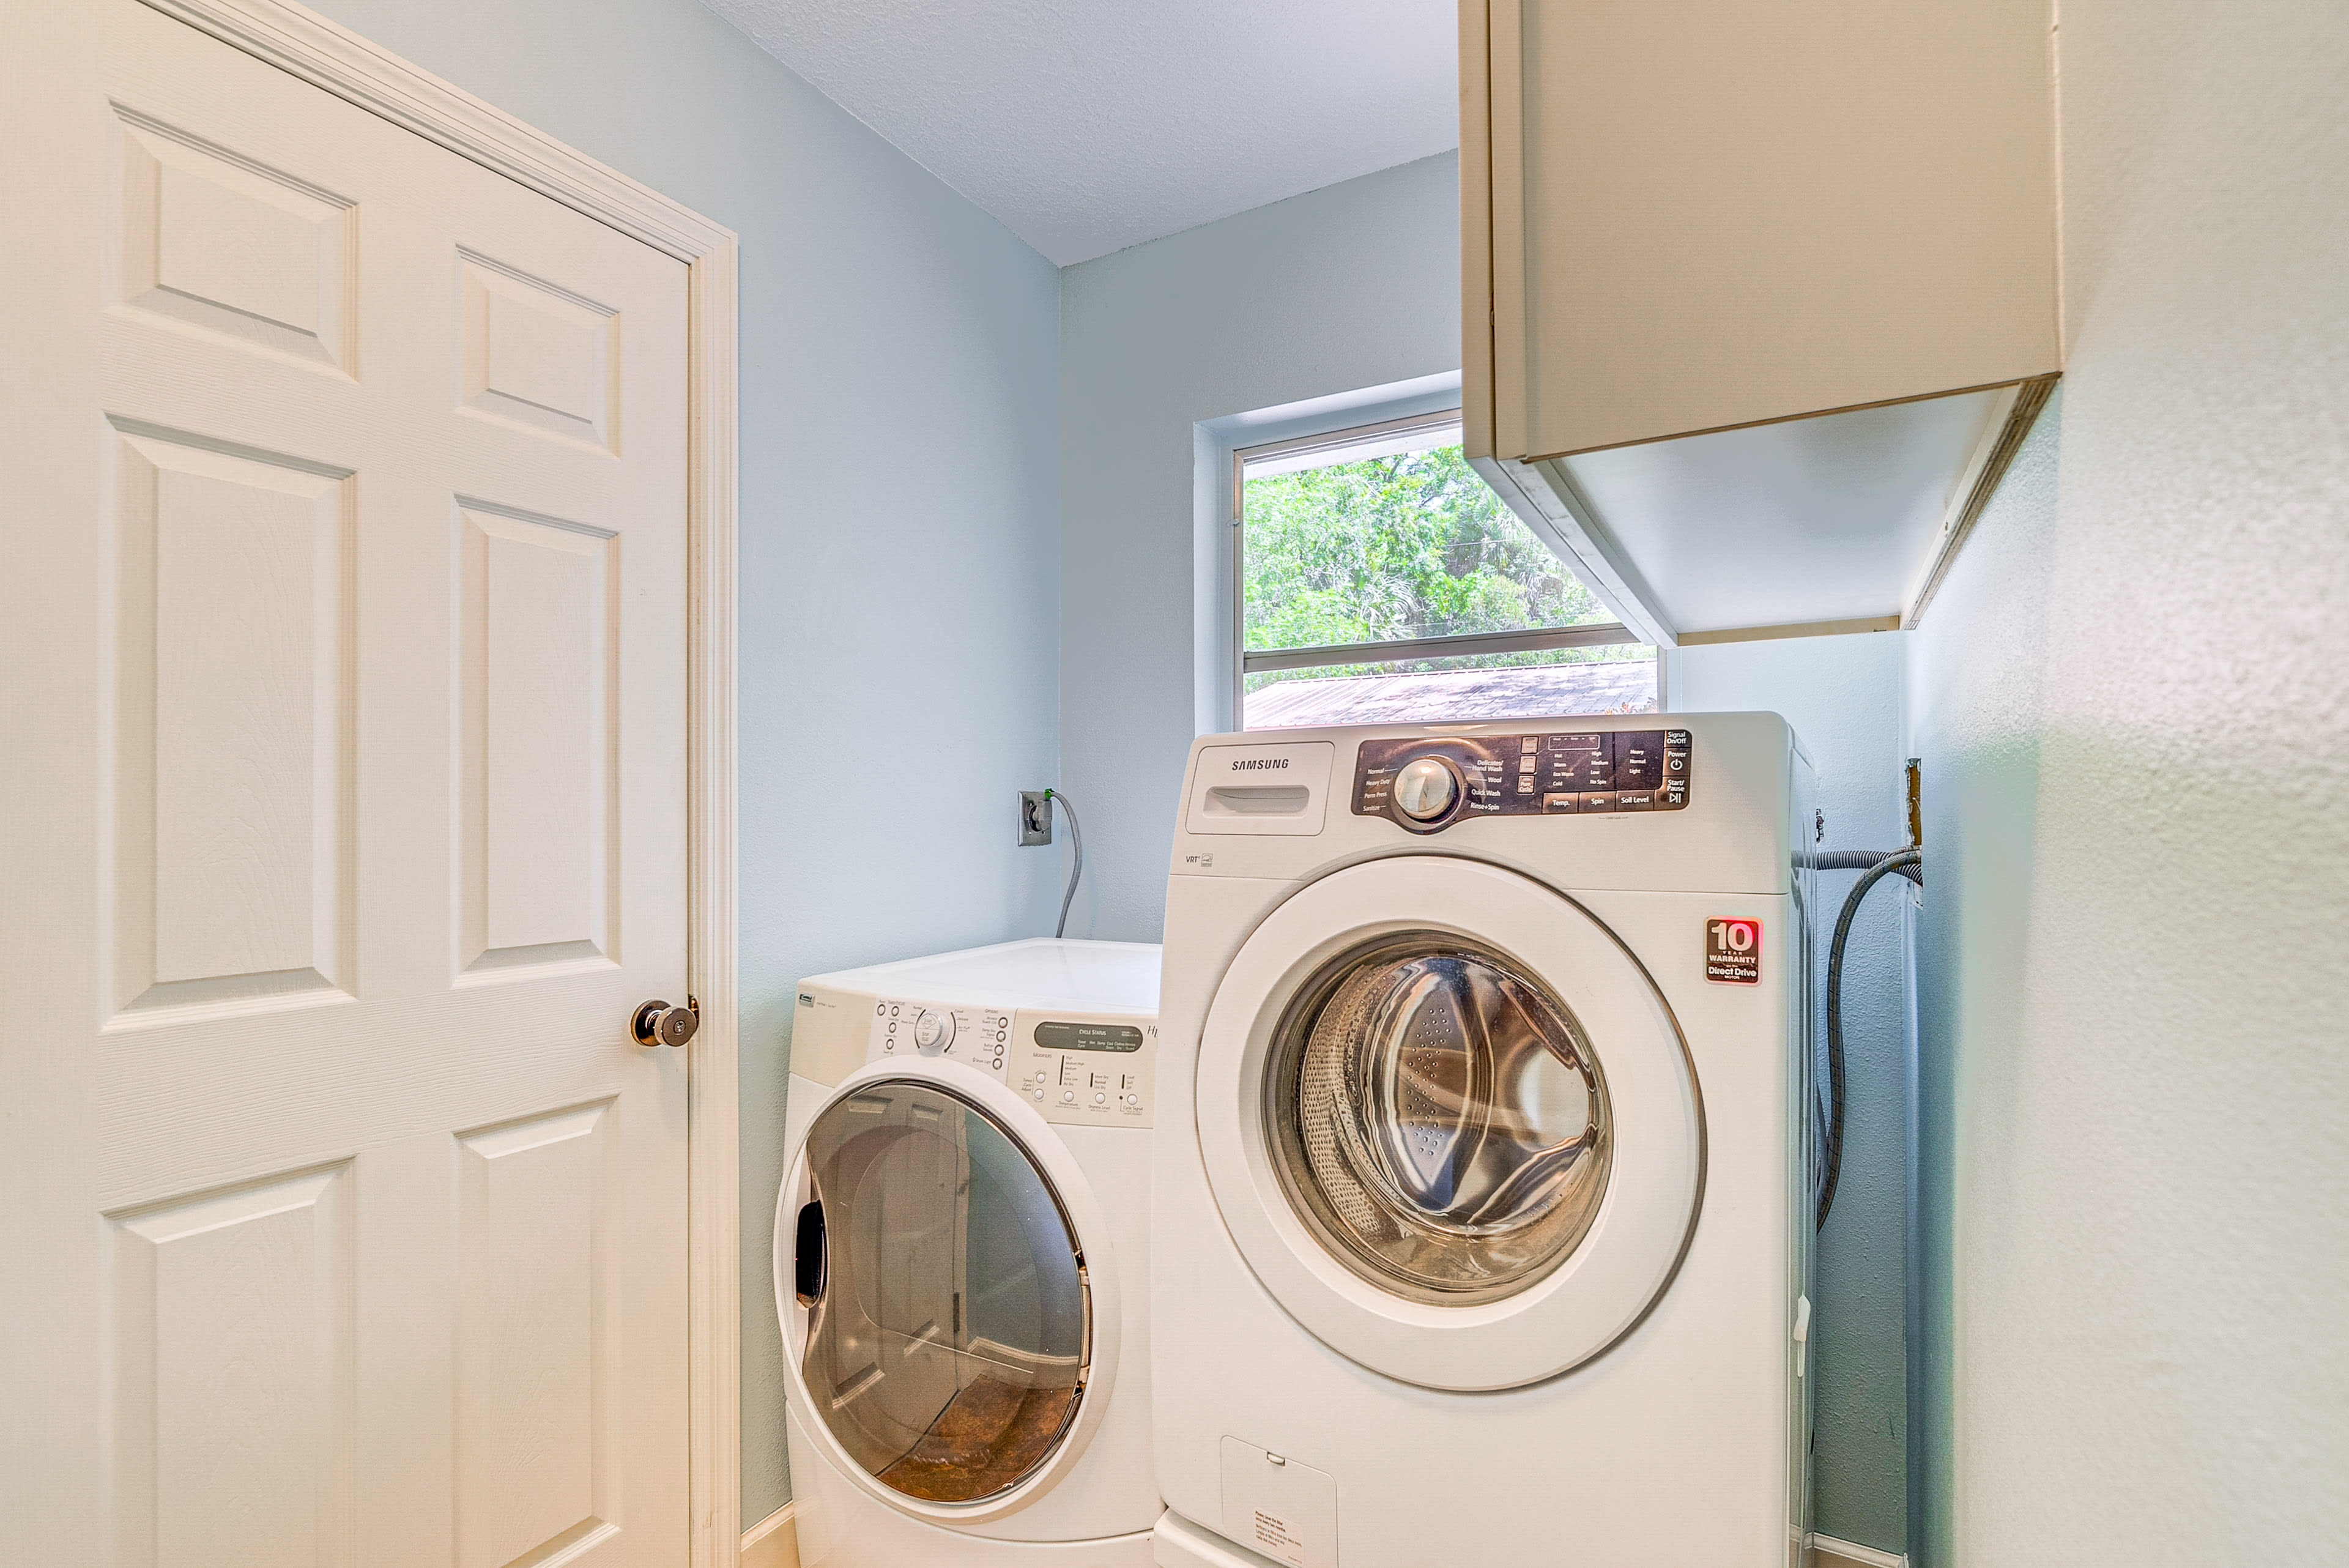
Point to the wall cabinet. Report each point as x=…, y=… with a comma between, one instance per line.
x=1759, y=294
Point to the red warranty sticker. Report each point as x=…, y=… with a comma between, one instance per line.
x=1733, y=951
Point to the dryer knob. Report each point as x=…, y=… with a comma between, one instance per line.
x=1425, y=789
x=932, y=1032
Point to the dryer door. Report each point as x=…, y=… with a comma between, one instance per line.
x=949, y=1335
x=1451, y=1122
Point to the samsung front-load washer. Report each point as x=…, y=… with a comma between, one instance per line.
x=1482, y=1206
x=961, y=1243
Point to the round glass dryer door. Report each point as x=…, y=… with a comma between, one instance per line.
x=949, y=1334
x=1439, y=1118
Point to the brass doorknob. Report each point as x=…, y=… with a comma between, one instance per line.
x=659, y=1024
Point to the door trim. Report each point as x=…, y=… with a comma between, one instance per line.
x=326, y=55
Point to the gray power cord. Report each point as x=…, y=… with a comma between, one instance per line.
x=1877, y=864
x=1077, y=867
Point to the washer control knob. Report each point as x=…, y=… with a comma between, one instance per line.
x=1425, y=789
x=932, y=1032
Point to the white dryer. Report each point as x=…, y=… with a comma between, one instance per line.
x=1482, y=1210
x=961, y=1248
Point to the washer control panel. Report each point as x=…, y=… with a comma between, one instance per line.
x=1428, y=784
x=1076, y=1068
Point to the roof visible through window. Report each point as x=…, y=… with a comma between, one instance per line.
x=1381, y=580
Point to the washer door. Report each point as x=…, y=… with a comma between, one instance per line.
x=945, y=1313
x=1450, y=1122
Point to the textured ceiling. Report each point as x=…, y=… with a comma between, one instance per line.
x=1090, y=125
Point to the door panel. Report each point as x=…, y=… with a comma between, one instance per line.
x=232, y=248
x=233, y=1358
x=537, y=671
x=232, y=644
x=536, y=1358
x=342, y=770
x=538, y=357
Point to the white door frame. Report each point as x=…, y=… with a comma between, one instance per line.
x=330, y=57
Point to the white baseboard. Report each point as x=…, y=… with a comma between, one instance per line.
x=772, y=1543
x=1827, y=1551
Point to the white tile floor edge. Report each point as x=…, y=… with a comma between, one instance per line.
x=1829, y=1553
x=772, y=1543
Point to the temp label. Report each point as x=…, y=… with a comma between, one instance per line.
x=1733, y=951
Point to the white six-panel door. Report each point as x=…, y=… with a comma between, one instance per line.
x=343, y=525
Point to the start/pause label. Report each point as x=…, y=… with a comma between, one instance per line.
x=1732, y=950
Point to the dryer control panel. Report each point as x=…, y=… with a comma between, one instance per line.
x=1080, y=1068
x=974, y=1036
x=1075, y=1068
x=1428, y=784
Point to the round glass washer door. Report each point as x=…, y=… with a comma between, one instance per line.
x=1450, y=1122
x=949, y=1332
x=1439, y=1118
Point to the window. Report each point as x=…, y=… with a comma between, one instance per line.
x=1377, y=580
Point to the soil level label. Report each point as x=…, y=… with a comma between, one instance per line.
x=1733, y=951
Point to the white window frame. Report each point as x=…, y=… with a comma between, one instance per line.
x=1375, y=439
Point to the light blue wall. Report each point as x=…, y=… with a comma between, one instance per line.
x=2130, y=700
x=1974, y=716
x=899, y=577
x=1844, y=696
x=1354, y=285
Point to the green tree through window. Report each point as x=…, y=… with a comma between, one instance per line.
x=1409, y=545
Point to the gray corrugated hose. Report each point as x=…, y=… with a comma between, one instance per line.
x=1076, y=867
x=1878, y=863
x=1853, y=859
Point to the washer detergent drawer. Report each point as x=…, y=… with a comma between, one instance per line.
x=1271, y=789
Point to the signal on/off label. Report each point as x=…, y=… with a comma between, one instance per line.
x=1733, y=951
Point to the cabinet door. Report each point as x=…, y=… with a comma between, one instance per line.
x=1697, y=215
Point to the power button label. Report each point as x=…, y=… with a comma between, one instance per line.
x=1733, y=951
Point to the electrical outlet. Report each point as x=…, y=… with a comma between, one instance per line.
x=1035, y=817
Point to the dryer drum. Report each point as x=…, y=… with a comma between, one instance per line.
x=1438, y=1118
x=949, y=1343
